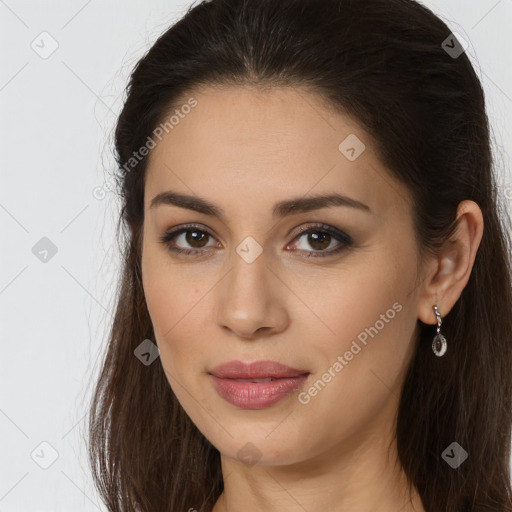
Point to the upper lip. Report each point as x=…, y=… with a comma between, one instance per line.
x=255, y=370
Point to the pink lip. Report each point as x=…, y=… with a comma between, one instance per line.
x=256, y=395
x=255, y=370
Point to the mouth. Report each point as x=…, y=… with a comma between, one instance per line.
x=256, y=385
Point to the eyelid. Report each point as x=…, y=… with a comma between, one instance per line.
x=323, y=227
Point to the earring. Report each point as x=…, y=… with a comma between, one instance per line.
x=439, y=344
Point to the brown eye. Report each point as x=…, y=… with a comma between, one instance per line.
x=320, y=238
x=196, y=238
x=319, y=242
x=193, y=237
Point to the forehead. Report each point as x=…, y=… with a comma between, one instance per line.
x=252, y=144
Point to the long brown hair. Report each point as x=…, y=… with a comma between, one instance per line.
x=390, y=64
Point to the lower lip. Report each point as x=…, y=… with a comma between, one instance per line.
x=256, y=395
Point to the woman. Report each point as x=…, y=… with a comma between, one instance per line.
x=315, y=305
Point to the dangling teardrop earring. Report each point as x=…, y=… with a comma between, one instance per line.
x=439, y=344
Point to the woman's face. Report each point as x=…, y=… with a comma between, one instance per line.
x=338, y=301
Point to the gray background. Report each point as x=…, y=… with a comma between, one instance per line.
x=57, y=117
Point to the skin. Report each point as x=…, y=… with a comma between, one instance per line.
x=336, y=452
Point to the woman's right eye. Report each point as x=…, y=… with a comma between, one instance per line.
x=188, y=234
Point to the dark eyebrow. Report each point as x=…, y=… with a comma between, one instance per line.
x=281, y=209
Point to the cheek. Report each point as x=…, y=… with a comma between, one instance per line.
x=175, y=316
x=360, y=301
x=371, y=320
x=176, y=302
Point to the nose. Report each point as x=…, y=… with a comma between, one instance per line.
x=251, y=300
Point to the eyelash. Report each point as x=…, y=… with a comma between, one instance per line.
x=318, y=228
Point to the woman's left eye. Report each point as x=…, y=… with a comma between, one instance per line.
x=319, y=238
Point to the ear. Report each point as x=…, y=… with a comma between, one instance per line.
x=448, y=273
